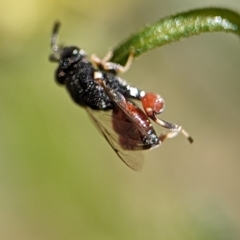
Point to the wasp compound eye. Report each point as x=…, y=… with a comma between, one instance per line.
x=68, y=52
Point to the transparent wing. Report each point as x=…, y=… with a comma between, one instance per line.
x=103, y=121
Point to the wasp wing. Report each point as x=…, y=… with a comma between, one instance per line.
x=131, y=111
x=104, y=122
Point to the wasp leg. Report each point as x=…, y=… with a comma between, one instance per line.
x=107, y=57
x=96, y=60
x=111, y=66
x=153, y=104
x=175, y=129
x=164, y=136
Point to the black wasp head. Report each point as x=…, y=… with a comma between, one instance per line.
x=68, y=59
x=70, y=55
x=65, y=56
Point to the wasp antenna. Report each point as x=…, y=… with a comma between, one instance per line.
x=55, y=31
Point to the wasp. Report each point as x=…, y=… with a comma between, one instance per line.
x=109, y=100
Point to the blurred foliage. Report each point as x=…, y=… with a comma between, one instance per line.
x=59, y=179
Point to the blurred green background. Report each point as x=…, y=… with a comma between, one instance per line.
x=59, y=179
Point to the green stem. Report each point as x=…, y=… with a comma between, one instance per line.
x=173, y=28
